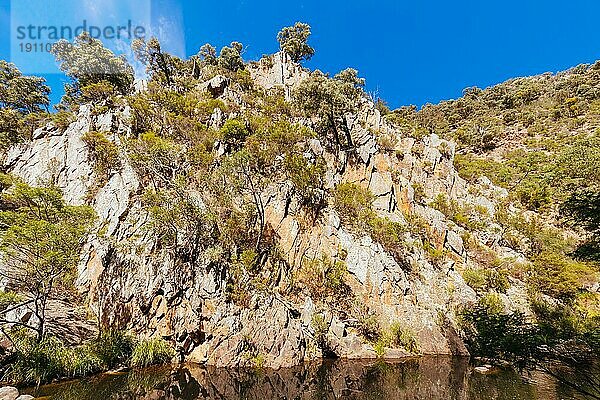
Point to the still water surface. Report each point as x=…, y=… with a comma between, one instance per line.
x=422, y=378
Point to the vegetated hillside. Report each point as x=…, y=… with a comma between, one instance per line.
x=260, y=214
x=538, y=138
x=535, y=136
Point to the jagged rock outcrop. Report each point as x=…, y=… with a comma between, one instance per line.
x=128, y=281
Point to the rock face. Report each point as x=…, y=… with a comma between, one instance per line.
x=216, y=86
x=8, y=393
x=131, y=283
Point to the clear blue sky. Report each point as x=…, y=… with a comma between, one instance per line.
x=410, y=52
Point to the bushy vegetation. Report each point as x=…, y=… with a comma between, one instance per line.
x=95, y=71
x=554, y=270
x=329, y=100
x=23, y=104
x=41, y=239
x=494, y=334
x=396, y=335
x=151, y=351
x=49, y=359
x=484, y=280
x=468, y=217
x=103, y=153
x=542, y=132
x=42, y=361
x=113, y=347
x=559, y=276
x=559, y=339
x=354, y=206
x=292, y=40
x=582, y=209
x=323, y=278
x=209, y=179
x=210, y=163
x=320, y=328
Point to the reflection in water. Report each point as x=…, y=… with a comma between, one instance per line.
x=423, y=378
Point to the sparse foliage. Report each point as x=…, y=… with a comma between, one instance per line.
x=329, y=100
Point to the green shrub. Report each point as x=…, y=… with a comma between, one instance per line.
x=396, y=336
x=403, y=337
x=494, y=334
x=368, y=323
x=539, y=236
x=388, y=233
x=480, y=135
x=466, y=216
x=151, y=351
x=62, y=119
x=113, y=347
x=244, y=79
x=328, y=100
x=382, y=107
x=82, y=361
x=492, y=303
x=369, y=328
x=557, y=275
x=354, y=204
x=322, y=277
x=559, y=321
x=436, y=256
x=308, y=179
x=37, y=362
x=103, y=153
x=320, y=327
x=98, y=93
x=417, y=225
x=8, y=298
x=41, y=362
x=379, y=347
x=475, y=278
x=486, y=279
x=234, y=132
x=497, y=279
x=155, y=157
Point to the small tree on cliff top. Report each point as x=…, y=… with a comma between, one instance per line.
x=87, y=62
x=230, y=57
x=292, y=41
x=21, y=98
x=26, y=94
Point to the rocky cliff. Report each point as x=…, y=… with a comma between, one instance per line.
x=129, y=280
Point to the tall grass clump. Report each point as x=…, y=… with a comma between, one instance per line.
x=151, y=351
x=113, y=347
x=396, y=336
x=38, y=362
x=49, y=359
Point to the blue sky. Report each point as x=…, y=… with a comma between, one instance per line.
x=410, y=52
